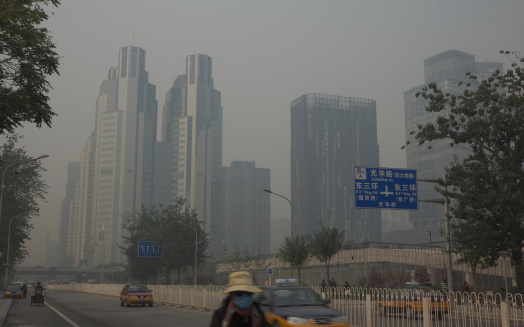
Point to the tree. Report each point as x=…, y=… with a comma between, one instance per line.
x=27, y=58
x=21, y=195
x=295, y=251
x=326, y=243
x=163, y=224
x=259, y=261
x=421, y=275
x=488, y=185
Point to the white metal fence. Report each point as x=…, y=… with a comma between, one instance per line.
x=363, y=307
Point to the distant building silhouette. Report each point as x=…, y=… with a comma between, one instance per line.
x=329, y=135
x=246, y=208
x=192, y=131
x=446, y=69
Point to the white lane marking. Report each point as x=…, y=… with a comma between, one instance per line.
x=71, y=322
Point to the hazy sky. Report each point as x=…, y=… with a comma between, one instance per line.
x=265, y=55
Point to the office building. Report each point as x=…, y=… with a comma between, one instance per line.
x=192, y=130
x=329, y=135
x=446, y=69
x=246, y=208
x=68, y=218
x=123, y=145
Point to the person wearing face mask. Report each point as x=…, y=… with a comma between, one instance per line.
x=238, y=308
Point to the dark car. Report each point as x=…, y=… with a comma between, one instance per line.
x=136, y=294
x=288, y=304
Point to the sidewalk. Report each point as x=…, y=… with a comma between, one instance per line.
x=5, y=304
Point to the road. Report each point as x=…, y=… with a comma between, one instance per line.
x=66, y=309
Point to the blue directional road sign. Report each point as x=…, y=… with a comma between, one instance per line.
x=270, y=271
x=149, y=249
x=385, y=188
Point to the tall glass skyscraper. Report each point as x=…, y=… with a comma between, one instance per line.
x=446, y=69
x=192, y=129
x=124, y=141
x=329, y=135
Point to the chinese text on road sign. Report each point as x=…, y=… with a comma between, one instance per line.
x=385, y=188
x=149, y=249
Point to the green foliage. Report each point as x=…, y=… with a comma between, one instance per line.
x=166, y=225
x=27, y=59
x=236, y=259
x=259, y=261
x=21, y=195
x=326, y=243
x=295, y=251
x=487, y=187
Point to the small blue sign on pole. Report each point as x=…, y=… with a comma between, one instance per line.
x=270, y=271
x=149, y=249
x=385, y=188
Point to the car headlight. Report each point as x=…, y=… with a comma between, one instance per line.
x=297, y=321
x=340, y=319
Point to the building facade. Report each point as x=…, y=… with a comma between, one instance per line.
x=68, y=218
x=329, y=135
x=123, y=152
x=246, y=208
x=446, y=69
x=192, y=130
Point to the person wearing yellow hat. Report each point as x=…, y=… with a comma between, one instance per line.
x=238, y=308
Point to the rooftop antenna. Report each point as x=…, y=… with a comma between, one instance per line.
x=133, y=35
x=198, y=38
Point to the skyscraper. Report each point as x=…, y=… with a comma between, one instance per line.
x=329, y=135
x=124, y=141
x=192, y=129
x=246, y=209
x=68, y=217
x=446, y=69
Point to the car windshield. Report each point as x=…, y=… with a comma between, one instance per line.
x=13, y=288
x=296, y=297
x=138, y=288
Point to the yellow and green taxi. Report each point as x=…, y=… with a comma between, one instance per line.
x=289, y=304
x=408, y=301
x=134, y=293
x=13, y=291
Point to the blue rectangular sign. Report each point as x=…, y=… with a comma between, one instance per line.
x=149, y=249
x=385, y=188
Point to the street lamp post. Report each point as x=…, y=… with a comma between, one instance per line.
x=8, y=246
x=445, y=202
x=290, y=205
x=196, y=247
x=18, y=163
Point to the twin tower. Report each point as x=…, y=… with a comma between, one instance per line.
x=123, y=167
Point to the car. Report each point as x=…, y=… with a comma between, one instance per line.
x=135, y=293
x=13, y=291
x=408, y=301
x=291, y=304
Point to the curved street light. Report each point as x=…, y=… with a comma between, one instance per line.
x=290, y=206
x=18, y=163
x=8, y=246
x=196, y=247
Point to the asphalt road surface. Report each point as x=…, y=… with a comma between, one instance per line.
x=66, y=309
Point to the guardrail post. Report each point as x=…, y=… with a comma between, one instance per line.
x=504, y=314
x=426, y=314
x=368, y=310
